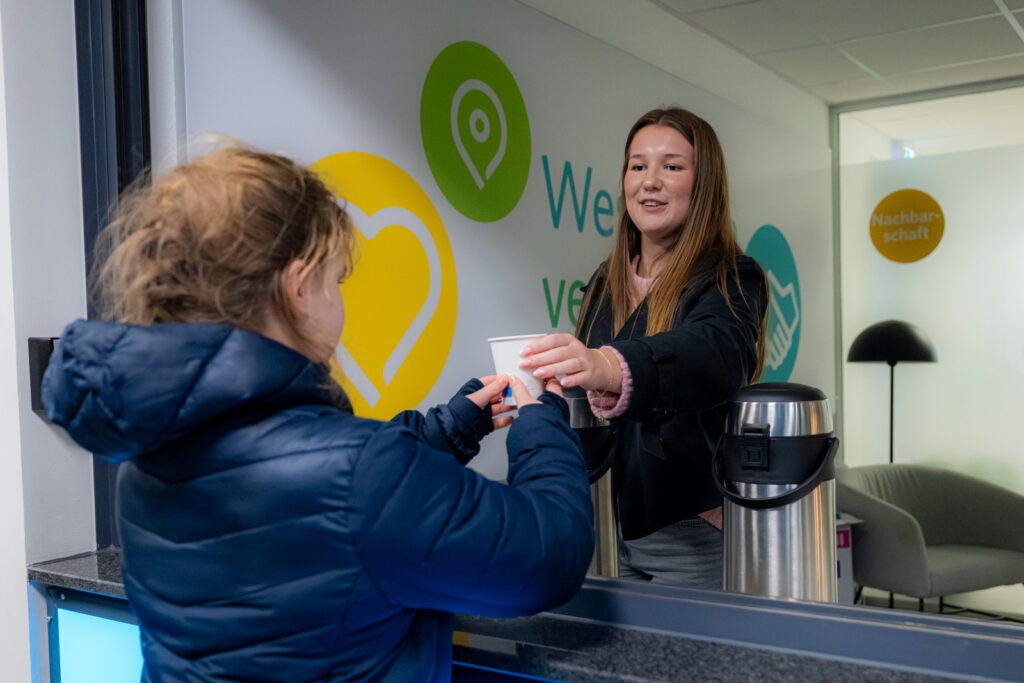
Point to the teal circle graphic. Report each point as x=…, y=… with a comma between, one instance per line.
x=476, y=134
x=768, y=246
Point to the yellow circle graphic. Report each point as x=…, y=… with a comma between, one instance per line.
x=907, y=225
x=401, y=300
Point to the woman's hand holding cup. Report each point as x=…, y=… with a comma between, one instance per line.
x=579, y=366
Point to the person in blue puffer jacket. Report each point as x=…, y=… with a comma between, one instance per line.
x=267, y=533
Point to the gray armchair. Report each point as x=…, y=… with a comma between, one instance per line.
x=931, y=532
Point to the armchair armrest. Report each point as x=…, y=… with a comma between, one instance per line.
x=992, y=516
x=888, y=548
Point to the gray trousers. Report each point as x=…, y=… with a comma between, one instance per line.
x=686, y=553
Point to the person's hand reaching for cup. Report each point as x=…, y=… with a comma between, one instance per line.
x=579, y=366
x=522, y=394
x=490, y=394
x=493, y=390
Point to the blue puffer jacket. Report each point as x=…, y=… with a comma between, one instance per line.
x=269, y=536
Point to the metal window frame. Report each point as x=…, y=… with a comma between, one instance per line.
x=113, y=96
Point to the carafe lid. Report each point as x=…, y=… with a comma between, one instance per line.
x=777, y=392
x=789, y=409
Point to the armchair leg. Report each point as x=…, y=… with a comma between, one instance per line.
x=942, y=603
x=990, y=616
x=920, y=604
x=892, y=602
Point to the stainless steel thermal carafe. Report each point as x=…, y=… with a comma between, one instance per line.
x=595, y=435
x=774, y=465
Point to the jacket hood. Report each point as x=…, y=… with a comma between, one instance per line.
x=123, y=390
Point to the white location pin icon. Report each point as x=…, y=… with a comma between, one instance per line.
x=479, y=128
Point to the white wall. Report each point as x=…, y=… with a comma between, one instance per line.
x=14, y=638
x=960, y=412
x=47, y=497
x=45, y=182
x=323, y=77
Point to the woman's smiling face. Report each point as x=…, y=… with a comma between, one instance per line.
x=658, y=182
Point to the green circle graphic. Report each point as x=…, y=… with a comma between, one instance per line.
x=476, y=134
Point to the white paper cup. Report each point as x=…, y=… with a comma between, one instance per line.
x=505, y=351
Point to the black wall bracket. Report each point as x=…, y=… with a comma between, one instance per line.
x=39, y=351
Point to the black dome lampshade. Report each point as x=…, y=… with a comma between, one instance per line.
x=892, y=341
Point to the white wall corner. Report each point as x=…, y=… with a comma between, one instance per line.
x=14, y=626
x=47, y=256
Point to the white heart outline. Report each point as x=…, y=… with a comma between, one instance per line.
x=370, y=226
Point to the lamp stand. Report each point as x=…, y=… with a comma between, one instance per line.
x=892, y=395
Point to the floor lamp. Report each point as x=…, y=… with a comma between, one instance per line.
x=891, y=341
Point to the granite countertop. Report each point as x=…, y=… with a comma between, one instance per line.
x=565, y=649
x=615, y=631
x=95, y=572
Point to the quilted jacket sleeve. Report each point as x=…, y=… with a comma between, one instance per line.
x=455, y=427
x=709, y=354
x=435, y=535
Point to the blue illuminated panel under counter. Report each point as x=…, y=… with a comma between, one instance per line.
x=95, y=638
x=93, y=648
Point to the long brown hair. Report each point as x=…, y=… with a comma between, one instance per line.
x=209, y=240
x=705, y=241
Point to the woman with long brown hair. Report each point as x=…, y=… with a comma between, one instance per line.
x=671, y=325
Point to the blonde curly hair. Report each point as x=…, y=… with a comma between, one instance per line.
x=209, y=240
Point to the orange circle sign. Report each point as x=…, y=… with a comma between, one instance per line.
x=907, y=225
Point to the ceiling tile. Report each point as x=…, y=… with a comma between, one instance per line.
x=958, y=75
x=1015, y=4
x=755, y=28
x=840, y=20
x=849, y=91
x=687, y=6
x=813, y=65
x=936, y=46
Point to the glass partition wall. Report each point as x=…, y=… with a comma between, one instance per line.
x=930, y=215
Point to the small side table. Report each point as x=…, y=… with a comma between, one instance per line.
x=844, y=556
